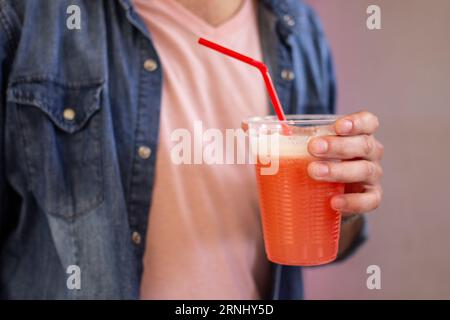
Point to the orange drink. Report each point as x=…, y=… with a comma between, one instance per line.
x=299, y=225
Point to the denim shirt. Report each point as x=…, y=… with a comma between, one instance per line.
x=75, y=107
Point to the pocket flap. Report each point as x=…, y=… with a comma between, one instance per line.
x=69, y=107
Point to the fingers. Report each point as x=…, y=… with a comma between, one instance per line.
x=345, y=148
x=352, y=203
x=361, y=176
x=354, y=140
x=362, y=122
x=346, y=171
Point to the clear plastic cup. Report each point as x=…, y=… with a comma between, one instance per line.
x=299, y=226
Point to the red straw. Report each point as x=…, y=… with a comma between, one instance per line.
x=259, y=65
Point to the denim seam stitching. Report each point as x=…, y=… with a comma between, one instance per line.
x=135, y=142
x=71, y=85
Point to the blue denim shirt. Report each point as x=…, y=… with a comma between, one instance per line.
x=73, y=189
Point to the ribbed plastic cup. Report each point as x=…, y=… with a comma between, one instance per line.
x=300, y=228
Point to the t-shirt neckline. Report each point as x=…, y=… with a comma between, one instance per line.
x=200, y=27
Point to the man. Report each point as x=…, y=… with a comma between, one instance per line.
x=86, y=115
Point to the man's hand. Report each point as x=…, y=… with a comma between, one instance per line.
x=359, y=169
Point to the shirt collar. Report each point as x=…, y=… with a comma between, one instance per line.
x=288, y=13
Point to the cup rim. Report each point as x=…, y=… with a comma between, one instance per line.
x=294, y=119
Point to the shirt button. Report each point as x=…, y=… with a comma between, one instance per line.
x=136, y=237
x=144, y=152
x=287, y=75
x=69, y=114
x=150, y=65
x=289, y=20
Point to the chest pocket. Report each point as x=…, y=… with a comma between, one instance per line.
x=61, y=131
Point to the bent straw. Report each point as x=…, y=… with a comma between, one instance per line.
x=257, y=64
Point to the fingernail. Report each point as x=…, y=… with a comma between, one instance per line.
x=320, y=169
x=345, y=126
x=338, y=203
x=319, y=146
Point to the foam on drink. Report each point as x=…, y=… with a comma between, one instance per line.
x=272, y=145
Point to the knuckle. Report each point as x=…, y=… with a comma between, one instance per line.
x=369, y=169
x=378, y=195
x=367, y=144
x=380, y=171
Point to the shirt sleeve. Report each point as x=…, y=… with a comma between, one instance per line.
x=360, y=238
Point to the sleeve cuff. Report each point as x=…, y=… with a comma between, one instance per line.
x=357, y=242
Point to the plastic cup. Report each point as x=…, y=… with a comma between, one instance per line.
x=300, y=228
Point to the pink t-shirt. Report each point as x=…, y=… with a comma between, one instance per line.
x=204, y=235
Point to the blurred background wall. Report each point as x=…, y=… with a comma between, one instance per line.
x=401, y=73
